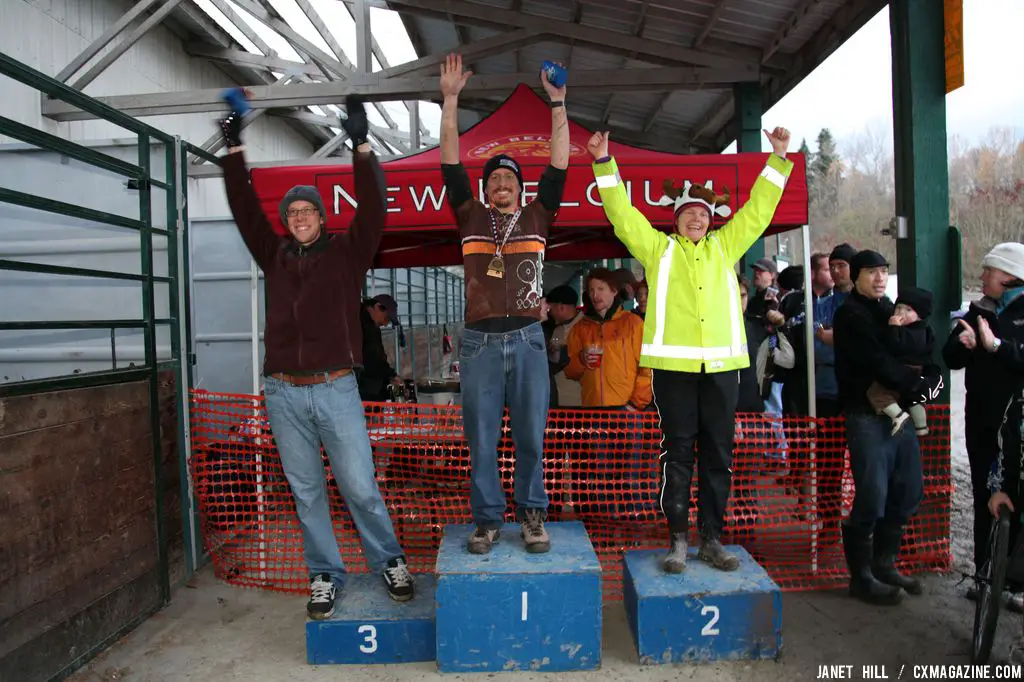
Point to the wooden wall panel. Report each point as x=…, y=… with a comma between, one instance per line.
x=78, y=534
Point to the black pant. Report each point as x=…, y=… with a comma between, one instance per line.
x=696, y=410
x=982, y=450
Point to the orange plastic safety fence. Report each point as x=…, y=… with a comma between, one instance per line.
x=791, y=484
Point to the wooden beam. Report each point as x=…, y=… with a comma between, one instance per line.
x=710, y=23
x=318, y=24
x=327, y=63
x=477, y=49
x=239, y=21
x=657, y=110
x=309, y=117
x=605, y=39
x=126, y=44
x=240, y=58
x=377, y=89
x=787, y=27
x=112, y=32
x=721, y=114
x=847, y=20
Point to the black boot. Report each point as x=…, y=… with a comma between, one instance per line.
x=863, y=585
x=886, y=549
x=675, y=561
x=712, y=552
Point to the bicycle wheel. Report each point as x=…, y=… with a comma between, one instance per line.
x=990, y=589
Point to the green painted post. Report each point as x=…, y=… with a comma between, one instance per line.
x=923, y=251
x=149, y=343
x=747, y=120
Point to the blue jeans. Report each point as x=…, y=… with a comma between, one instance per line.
x=887, y=474
x=498, y=370
x=303, y=417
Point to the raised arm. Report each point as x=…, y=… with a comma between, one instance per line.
x=631, y=226
x=452, y=82
x=367, y=226
x=552, y=182
x=457, y=189
x=754, y=217
x=252, y=223
x=559, y=124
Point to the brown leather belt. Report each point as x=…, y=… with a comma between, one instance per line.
x=310, y=379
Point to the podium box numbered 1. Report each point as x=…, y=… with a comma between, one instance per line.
x=368, y=627
x=511, y=610
x=702, y=614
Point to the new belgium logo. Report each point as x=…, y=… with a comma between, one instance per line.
x=519, y=147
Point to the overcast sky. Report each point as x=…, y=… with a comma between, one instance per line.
x=852, y=89
x=849, y=92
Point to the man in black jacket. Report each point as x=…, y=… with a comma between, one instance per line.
x=886, y=467
x=377, y=372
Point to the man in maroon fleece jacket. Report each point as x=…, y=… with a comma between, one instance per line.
x=313, y=342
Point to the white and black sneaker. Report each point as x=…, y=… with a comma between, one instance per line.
x=321, y=597
x=399, y=580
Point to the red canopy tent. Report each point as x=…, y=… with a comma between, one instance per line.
x=421, y=230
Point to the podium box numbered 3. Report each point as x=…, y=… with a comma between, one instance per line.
x=368, y=627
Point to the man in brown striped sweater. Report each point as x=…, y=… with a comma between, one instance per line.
x=503, y=358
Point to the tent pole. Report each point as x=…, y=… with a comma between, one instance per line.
x=812, y=409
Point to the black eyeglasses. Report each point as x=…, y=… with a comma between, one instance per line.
x=295, y=212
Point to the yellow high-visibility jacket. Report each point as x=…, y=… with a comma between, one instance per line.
x=694, y=316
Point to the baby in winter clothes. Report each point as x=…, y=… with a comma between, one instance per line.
x=911, y=342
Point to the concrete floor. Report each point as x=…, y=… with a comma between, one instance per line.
x=212, y=631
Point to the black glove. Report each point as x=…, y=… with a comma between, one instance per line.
x=356, y=125
x=231, y=129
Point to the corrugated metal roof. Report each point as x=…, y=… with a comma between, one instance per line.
x=721, y=41
x=740, y=29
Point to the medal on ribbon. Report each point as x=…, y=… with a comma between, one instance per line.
x=496, y=268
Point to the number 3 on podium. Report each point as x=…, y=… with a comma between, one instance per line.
x=370, y=639
x=709, y=628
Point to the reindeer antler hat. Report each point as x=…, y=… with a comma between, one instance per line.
x=702, y=195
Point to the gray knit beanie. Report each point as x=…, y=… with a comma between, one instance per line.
x=301, y=193
x=1008, y=257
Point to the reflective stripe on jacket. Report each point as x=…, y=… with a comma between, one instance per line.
x=694, y=317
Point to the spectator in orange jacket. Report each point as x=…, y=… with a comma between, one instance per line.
x=604, y=349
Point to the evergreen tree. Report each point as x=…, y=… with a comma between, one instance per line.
x=808, y=160
x=825, y=171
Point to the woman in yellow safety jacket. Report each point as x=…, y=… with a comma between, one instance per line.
x=604, y=350
x=694, y=338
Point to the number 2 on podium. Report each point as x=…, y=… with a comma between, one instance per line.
x=370, y=639
x=709, y=628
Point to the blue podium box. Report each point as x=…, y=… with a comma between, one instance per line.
x=511, y=610
x=702, y=614
x=369, y=627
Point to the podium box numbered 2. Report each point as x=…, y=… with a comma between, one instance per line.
x=368, y=627
x=511, y=610
x=702, y=614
